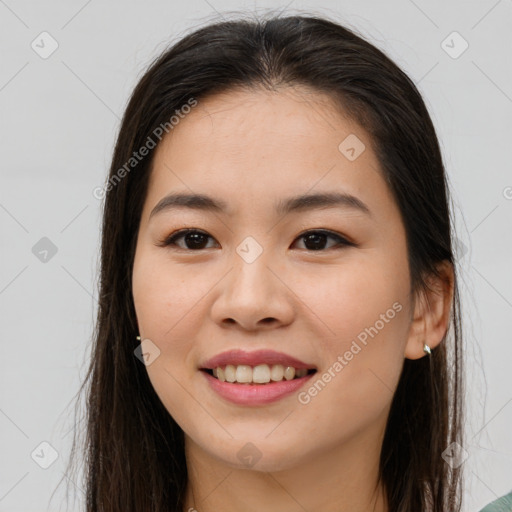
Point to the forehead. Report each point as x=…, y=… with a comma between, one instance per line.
x=252, y=144
x=264, y=121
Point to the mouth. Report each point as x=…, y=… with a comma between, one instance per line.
x=259, y=385
x=261, y=374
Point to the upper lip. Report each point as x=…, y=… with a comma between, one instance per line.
x=270, y=357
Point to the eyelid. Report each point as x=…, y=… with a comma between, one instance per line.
x=343, y=241
x=168, y=239
x=334, y=234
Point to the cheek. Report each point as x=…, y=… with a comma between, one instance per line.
x=361, y=364
x=362, y=309
x=165, y=297
x=167, y=305
x=360, y=299
x=164, y=304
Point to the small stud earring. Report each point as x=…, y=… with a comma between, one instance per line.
x=426, y=349
x=138, y=337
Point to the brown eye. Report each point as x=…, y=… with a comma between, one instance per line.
x=316, y=240
x=193, y=239
x=196, y=240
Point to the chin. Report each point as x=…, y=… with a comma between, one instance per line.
x=259, y=455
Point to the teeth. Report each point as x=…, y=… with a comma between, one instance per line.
x=289, y=373
x=243, y=373
x=230, y=373
x=260, y=374
x=277, y=372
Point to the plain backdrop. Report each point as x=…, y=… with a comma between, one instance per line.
x=66, y=71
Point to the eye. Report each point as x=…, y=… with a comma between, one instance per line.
x=194, y=239
x=315, y=240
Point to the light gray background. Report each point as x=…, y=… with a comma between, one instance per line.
x=59, y=118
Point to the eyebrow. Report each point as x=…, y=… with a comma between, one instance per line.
x=303, y=202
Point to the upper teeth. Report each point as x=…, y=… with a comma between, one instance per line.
x=260, y=374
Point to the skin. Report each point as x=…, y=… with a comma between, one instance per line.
x=252, y=148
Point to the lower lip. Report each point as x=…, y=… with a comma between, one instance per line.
x=255, y=394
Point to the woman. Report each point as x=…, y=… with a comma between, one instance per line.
x=279, y=323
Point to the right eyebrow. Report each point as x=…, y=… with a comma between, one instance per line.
x=192, y=201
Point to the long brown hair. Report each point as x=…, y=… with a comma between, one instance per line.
x=133, y=449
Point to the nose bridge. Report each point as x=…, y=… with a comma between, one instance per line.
x=250, y=274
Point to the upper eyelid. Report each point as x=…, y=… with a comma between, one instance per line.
x=182, y=232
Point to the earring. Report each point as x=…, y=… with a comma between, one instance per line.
x=426, y=349
x=138, y=337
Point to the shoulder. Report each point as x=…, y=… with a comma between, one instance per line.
x=503, y=504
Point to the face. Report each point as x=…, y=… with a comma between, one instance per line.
x=323, y=281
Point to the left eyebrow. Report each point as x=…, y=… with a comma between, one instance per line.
x=303, y=202
x=321, y=200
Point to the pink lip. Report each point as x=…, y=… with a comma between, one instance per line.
x=255, y=394
x=270, y=357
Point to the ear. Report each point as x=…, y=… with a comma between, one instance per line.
x=431, y=314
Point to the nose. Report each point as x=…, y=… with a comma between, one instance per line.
x=254, y=295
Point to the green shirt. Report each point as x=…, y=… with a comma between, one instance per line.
x=503, y=504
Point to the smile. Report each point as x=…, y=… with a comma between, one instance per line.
x=259, y=374
x=253, y=393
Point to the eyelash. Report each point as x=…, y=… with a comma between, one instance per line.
x=171, y=239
